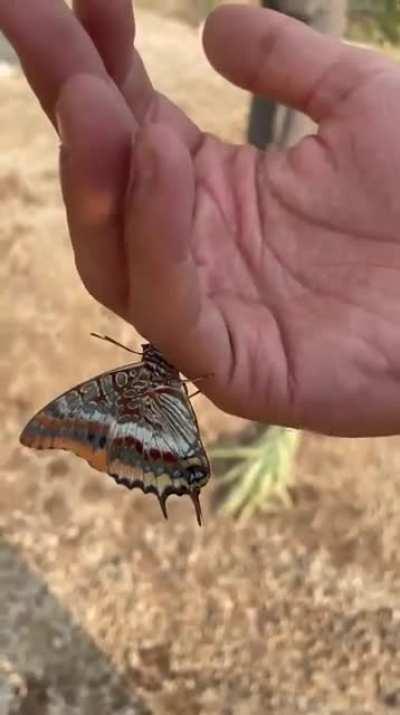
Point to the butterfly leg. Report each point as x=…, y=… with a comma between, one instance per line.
x=197, y=379
x=107, y=339
x=194, y=394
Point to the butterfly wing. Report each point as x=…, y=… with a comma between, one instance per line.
x=142, y=432
x=80, y=419
x=161, y=452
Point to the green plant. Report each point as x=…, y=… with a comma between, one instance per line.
x=375, y=20
x=262, y=471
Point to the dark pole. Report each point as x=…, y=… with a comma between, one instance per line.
x=270, y=123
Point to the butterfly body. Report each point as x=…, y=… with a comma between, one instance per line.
x=135, y=423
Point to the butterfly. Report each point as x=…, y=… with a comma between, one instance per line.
x=135, y=423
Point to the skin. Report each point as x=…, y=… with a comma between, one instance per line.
x=280, y=272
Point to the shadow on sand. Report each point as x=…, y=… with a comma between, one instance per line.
x=48, y=663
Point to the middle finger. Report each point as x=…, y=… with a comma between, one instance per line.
x=111, y=27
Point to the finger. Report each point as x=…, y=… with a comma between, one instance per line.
x=96, y=129
x=112, y=29
x=165, y=291
x=284, y=59
x=159, y=216
x=111, y=26
x=51, y=44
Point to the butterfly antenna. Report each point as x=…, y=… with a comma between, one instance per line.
x=115, y=342
x=163, y=506
x=197, y=506
x=197, y=379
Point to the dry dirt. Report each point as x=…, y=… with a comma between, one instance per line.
x=104, y=607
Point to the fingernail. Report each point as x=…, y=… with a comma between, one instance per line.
x=144, y=161
x=60, y=128
x=67, y=115
x=68, y=110
x=84, y=101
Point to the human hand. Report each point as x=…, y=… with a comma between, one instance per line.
x=277, y=272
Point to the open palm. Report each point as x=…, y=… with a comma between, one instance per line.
x=278, y=272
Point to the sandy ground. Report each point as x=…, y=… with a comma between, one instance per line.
x=104, y=607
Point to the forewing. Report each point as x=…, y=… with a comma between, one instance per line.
x=80, y=420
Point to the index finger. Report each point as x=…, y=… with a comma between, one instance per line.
x=68, y=76
x=51, y=45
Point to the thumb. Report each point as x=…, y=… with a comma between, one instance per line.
x=284, y=59
x=164, y=292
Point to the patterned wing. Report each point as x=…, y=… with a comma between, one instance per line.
x=133, y=425
x=162, y=451
x=80, y=420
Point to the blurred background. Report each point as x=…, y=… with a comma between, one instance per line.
x=287, y=601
